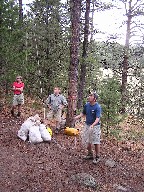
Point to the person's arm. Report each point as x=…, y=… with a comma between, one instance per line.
x=98, y=114
x=79, y=116
x=48, y=101
x=63, y=102
x=96, y=122
x=22, y=88
x=14, y=88
x=82, y=114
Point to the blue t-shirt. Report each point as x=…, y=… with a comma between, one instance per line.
x=92, y=112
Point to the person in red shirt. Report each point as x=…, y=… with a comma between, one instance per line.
x=18, y=99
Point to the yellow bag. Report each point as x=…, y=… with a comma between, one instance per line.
x=49, y=130
x=71, y=131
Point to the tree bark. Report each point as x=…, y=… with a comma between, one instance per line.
x=20, y=11
x=125, y=61
x=73, y=68
x=84, y=56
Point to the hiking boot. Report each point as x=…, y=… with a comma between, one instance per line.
x=96, y=160
x=89, y=156
x=12, y=113
x=19, y=114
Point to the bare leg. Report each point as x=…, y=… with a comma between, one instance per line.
x=97, y=153
x=57, y=127
x=90, y=153
x=13, y=109
x=89, y=148
x=57, y=124
x=19, y=110
x=97, y=150
x=58, y=120
x=19, y=107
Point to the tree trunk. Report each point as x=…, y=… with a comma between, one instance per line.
x=125, y=61
x=84, y=56
x=73, y=68
x=1, y=56
x=92, y=21
x=124, y=83
x=20, y=11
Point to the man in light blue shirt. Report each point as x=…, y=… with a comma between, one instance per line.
x=56, y=102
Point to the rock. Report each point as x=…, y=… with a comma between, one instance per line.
x=121, y=189
x=84, y=179
x=110, y=163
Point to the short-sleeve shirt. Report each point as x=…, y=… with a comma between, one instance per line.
x=18, y=85
x=92, y=112
x=55, y=101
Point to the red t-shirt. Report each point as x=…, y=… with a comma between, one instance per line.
x=18, y=85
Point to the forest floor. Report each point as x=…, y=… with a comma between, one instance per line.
x=48, y=167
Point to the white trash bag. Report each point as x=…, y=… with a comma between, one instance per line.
x=44, y=133
x=24, y=130
x=35, y=135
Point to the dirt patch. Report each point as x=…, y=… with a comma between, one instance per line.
x=48, y=167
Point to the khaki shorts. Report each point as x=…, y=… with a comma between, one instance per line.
x=91, y=135
x=55, y=115
x=18, y=99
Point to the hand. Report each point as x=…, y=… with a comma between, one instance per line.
x=61, y=107
x=13, y=88
x=75, y=118
x=49, y=106
x=91, y=127
x=21, y=89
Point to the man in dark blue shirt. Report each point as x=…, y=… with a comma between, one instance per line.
x=91, y=131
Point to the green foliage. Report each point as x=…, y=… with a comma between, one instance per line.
x=36, y=106
x=48, y=46
x=38, y=49
x=12, y=53
x=116, y=133
x=110, y=101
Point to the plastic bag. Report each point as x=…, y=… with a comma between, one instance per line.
x=35, y=118
x=44, y=133
x=35, y=135
x=24, y=130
